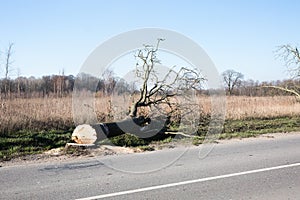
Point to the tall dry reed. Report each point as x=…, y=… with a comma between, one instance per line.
x=56, y=113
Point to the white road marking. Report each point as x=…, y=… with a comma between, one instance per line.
x=189, y=182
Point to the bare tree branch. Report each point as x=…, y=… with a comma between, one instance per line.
x=290, y=56
x=160, y=91
x=284, y=89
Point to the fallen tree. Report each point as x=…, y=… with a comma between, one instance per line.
x=169, y=94
x=141, y=127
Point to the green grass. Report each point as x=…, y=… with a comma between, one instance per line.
x=27, y=142
x=198, y=140
x=128, y=140
x=146, y=148
x=253, y=127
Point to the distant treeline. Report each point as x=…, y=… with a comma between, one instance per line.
x=256, y=88
x=58, y=86
x=62, y=85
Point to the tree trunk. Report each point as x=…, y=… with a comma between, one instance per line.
x=133, y=110
x=141, y=127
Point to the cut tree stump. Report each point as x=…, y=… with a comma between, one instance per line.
x=84, y=134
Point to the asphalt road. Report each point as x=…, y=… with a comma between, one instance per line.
x=266, y=168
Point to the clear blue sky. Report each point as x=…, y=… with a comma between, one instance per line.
x=51, y=35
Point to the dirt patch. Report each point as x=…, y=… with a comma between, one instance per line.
x=267, y=136
x=60, y=154
x=82, y=152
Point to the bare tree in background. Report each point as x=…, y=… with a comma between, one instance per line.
x=291, y=57
x=232, y=79
x=109, y=82
x=8, y=62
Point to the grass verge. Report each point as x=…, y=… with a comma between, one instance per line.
x=250, y=127
x=28, y=142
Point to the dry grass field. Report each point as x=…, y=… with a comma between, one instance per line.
x=56, y=113
x=261, y=107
